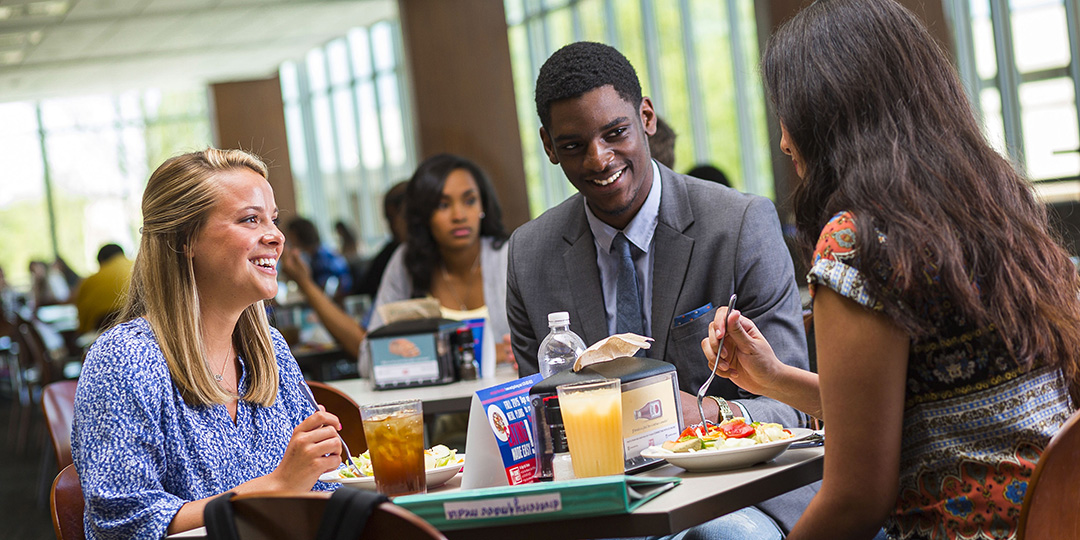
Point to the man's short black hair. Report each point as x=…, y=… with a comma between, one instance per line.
x=107, y=252
x=580, y=67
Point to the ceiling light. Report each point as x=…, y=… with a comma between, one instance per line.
x=8, y=12
x=35, y=37
x=48, y=8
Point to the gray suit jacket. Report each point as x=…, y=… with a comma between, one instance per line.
x=709, y=239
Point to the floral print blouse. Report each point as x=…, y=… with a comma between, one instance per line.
x=975, y=423
x=142, y=452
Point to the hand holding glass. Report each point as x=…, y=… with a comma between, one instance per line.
x=395, y=438
x=592, y=416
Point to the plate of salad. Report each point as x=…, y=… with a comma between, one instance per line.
x=442, y=464
x=730, y=445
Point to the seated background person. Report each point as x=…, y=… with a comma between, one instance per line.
x=100, y=296
x=322, y=261
x=394, y=212
x=692, y=244
x=455, y=254
x=193, y=393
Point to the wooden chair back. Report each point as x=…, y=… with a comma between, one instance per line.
x=58, y=402
x=67, y=504
x=1049, y=509
x=296, y=516
x=348, y=411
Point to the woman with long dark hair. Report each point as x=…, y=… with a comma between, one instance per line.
x=946, y=315
x=455, y=254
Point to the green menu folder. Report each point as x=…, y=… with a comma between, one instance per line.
x=525, y=503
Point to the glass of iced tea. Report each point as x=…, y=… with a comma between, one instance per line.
x=395, y=439
x=592, y=417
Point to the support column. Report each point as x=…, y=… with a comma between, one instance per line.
x=249, y=115
x=463, y=88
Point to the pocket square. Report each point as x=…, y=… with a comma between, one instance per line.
x=692, y=315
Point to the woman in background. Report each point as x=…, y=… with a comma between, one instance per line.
x=193, y=394
x=947, y=320
x=455, y=253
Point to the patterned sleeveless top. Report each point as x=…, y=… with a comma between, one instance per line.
x=975, y=423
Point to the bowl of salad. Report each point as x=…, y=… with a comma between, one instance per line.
x=730, y=445
x=442, y=464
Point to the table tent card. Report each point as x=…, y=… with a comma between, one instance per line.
x=501, y=449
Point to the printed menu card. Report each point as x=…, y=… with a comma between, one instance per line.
x=500, y=436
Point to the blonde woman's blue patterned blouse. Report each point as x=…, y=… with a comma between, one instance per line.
x=142, y=452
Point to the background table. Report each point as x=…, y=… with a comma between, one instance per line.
x=438, y=399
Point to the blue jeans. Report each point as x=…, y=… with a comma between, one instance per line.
x=746, y=524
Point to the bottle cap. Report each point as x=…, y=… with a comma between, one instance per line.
x=463, y=336
x=558, y=318
x=552, y=412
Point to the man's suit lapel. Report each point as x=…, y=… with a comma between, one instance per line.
x=671, y=259
x=588, y=315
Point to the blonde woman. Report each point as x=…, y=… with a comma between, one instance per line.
x=193, y=394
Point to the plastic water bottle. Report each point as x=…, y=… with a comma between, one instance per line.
x=561, y=347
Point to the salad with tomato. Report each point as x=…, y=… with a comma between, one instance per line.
x=434, y=457
x=732, y=433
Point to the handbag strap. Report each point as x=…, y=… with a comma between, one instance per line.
x=347, y=513
x=218, y=517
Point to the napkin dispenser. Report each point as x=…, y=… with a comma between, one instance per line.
x=652, y=411
x=412, y=353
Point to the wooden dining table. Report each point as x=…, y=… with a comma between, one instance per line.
x=699, y=497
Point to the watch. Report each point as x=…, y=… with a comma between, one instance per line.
x=725, y=410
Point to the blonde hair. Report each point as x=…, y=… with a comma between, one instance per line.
x=178, y=199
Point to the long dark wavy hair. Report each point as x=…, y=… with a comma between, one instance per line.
x=422, y=197
x=878, y=115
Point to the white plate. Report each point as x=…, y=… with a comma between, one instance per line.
x=727, y=458
x=435, y=477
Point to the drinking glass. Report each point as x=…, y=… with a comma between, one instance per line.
x=395, y=439
x=592, y=417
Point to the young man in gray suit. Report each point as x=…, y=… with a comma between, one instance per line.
x=641, y=248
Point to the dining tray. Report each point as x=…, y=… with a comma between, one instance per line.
x=525, y=503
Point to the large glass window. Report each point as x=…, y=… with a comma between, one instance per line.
x=696, y=60
x=347, y=120
x=74, y=171
x=1019, y=59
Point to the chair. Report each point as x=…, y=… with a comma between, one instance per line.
x=1049, y=509
x=341, y=405
x=280, y=516
x=67, y=503
x=58, y=402
x=34, y=370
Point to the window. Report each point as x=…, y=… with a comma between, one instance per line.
x=696, y=59
x=348, y=126
x=74, y=171
x=1020, y=60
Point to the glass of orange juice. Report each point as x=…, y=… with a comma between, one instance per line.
x=395, y=438
x=592, y=416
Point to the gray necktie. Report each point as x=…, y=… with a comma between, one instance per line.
x=628, y=316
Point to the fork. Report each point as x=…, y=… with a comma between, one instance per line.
x=712, y=373
x=311, y=399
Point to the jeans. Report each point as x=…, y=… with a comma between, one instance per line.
x=746, y=524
